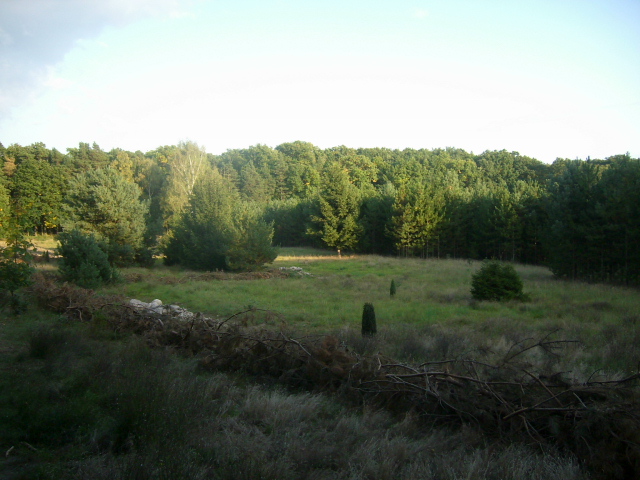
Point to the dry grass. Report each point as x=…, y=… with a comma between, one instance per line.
x=87, y=408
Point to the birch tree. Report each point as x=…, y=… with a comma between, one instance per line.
x=186, y=166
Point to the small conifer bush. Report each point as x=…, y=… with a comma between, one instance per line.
x=84, y=261
x=15, y=269
x=392, y=288
x=497, y=281
x=368, y=320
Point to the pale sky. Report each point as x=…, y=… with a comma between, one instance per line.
x=546, y=78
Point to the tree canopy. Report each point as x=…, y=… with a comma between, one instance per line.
x=103, y=202
x=579, y=217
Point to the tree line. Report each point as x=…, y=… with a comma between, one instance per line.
x=579, y=217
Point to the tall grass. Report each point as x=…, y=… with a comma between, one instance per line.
x=431, y=294
x=74, y=405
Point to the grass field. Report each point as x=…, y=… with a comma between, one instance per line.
x=78, y=401
x=432, y=296
x=428, y=292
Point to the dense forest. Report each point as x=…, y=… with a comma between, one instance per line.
x=579, y=217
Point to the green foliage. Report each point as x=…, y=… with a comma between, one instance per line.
x=5, y=208
x=187, y=163
x=86, y=158
x=496, y=281
x=578, y=217
x=252, y=247
x=219, y=232
x=36, y=190
x=369, y=327
x=106, y=204
x=84, y=260
x=417, y=214
x=15, y=269
x=202, y=237
x=376, y=215
x=594, y=218
x=14, y=274
x=392, y=288
x=290, y=219
x=338, y=210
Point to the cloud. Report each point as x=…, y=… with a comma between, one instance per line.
x=36, y=34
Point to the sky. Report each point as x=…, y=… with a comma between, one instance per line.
x=546, y=78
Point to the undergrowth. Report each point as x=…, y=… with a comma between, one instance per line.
x=74, y=405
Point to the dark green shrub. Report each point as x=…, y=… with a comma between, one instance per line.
x=252, y=247
x=145, y=257
x=15, y=270
x=14, y=274
x=121, y=255
x=219, y=232
x=497, y=281
x=369, y=327
x=392, y=288
x=84, y=261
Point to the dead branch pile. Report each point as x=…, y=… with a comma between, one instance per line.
x=598, y=421
x=74, y=302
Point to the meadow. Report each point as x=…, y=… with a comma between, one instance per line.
x=433, y=300
x=79, y=400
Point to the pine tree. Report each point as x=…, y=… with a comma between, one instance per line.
x=15, y=267
x=497, y=281
x=339, y=208
x=104, y=203
x=252, y=246
x=36, y=191
x=219, y=232
x=84, y=261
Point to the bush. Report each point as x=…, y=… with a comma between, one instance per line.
x=368, y=320
x=392, y=288
x=15, y=270
x=497, y=281
x=14, y=274
x=252, y=247
x=219, y=232
x=84, y=262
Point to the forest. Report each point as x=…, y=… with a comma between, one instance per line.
x=581, y=218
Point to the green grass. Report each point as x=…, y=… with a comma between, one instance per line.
x=428, y=292
x=433, y=298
